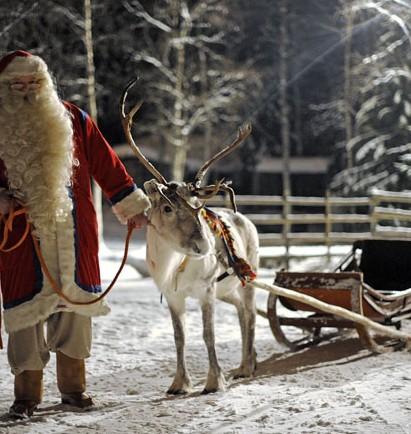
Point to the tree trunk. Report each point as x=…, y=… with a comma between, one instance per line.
x=297, y=112
x=349, y=14
x=297, y=118
x=284, y=109
x=180, y=139
x=284, y=121
x=92, y=104
x=206, y=154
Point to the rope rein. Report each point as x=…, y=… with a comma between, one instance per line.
x=8, y=226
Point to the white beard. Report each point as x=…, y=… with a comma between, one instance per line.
x=36, y=145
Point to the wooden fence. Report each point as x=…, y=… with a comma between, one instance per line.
x=291, y=221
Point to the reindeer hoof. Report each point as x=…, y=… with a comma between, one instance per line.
x=180, y=385
x=180, y=388
x=244, y=371
x=206, y=391
x=241, y=373
x=213, y=385
x=172, y=391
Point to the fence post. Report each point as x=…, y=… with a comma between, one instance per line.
x=328, y=228
x=286, y=228
x=373, y=202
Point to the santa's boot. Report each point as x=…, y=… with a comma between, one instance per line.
x=71, y=381
x=28, y=392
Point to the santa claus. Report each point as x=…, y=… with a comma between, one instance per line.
x=49, y=150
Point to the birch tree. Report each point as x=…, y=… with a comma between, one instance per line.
x=192, y=85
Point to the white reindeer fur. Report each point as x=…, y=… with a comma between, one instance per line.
x=188, y=267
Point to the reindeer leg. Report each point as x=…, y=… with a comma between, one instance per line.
x=234, y=299
x=249, y=359
x=215, y=377
x=245, y=319
x=182, y=382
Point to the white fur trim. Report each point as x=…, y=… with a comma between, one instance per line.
x=133, y=204
x=21, y=66
x=66, y=252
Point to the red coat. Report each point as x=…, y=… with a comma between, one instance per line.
x=27, y=297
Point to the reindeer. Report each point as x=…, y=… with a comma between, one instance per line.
x=186, y=258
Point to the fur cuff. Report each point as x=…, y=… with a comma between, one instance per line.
x=135, y=203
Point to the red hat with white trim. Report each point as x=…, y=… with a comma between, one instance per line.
x=18, y=63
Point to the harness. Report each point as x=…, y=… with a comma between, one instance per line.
x=238, y=266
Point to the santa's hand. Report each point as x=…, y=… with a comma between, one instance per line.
x=5, y=203
x=138, y=221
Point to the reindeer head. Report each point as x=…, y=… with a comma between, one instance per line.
x=174, y=214
x=176, y=206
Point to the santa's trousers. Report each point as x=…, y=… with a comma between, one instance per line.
x=67, y=332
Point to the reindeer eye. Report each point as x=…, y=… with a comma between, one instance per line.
x=167, y=209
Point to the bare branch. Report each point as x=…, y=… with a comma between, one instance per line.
x=20, y=16
x=138, y=10
x=138, y=57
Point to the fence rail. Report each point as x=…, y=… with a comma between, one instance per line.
x=343, y=220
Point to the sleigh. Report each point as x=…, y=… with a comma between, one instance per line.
x=374, y=280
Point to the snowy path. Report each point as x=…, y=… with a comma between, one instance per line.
x=336, y=388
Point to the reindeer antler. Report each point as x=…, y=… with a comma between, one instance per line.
x=203, y=193
x=127, y=121
x=210, y=191
x=242, y=134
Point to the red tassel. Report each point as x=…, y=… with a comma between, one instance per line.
x=242, y=269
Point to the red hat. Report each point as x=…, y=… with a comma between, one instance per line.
x=21, y=63
x=8, y=58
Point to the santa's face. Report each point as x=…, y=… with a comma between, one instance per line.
x=22, y=90
x=24, y=84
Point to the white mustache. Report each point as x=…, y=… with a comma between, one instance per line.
x=17, y=101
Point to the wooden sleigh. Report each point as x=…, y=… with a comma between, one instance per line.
x=374, y=281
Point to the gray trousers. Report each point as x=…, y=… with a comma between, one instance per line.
x=67, y=332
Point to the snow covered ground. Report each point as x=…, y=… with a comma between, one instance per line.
x=337, y=387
